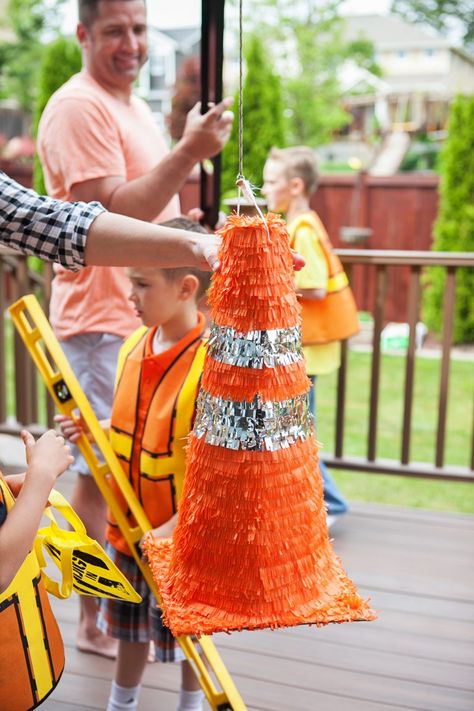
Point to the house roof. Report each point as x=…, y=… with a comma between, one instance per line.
x=185, y=37
x=391, y=32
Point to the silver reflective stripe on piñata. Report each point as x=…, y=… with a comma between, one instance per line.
x=255, y=349
x=257, y=425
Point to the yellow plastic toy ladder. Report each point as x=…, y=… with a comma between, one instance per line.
x=44, y=348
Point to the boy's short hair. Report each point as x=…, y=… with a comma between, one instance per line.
x=299, y=162
x=88, y=11
x=204, y=278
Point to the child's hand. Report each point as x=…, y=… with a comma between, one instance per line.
x=298, y=261
x=48, y=456
x=71, y=428
x=163, y=531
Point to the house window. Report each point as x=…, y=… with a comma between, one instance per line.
x=429, y=52
x=401, y=54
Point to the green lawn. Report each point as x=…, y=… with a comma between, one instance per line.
x=404, y=491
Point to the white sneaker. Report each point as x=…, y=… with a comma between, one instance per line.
x=331, y=519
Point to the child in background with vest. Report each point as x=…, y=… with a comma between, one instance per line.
x=157, y=383
x=329, y=313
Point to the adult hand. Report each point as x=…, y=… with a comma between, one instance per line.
x=205, y=135
x=205, y=249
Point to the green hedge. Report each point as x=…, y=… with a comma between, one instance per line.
x=61, y=59
x=454, y=227
x=263, y=119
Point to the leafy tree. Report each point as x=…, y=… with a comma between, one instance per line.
x=308, y=43
x=440, y=14
x=263, y=119
x=454, y=228
x=29, y=20
x=61, y=59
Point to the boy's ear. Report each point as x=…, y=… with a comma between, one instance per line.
x=189, y=287
x=297, y=187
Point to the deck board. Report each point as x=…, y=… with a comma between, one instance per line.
x=416, y=566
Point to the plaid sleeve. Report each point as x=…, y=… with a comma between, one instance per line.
x=50, y=229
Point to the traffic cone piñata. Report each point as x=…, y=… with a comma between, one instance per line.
x=251, y=546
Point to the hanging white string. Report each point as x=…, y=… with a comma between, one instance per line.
x=240, y=176
x=243, y=185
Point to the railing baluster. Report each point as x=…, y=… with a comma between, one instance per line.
x=341, y=402
x=448, y=323
x=472, y=446
x=380, y=294
x=413, y=310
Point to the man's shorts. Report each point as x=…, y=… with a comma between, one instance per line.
x=93, y=358
x=140, y=622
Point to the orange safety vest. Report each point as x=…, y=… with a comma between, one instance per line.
x=31, y=648
x=152, y=415
x=333, y=318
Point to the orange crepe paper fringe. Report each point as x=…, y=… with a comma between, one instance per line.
x=251, y=547
x=229, y=382
x=254, y=287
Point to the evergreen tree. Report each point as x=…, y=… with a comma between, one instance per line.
x=61, y=59
x=454, y=228
x=263, y=119
x=20, y=58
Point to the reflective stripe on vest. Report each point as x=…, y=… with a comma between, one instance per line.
x=32, y=652
x=156, y=467
x=337, y=282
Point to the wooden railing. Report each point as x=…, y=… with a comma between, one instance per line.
x=28, y=404
x=385, y=262
x=23, y=398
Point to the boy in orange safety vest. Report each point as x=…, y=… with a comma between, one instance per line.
x=32, y=652
x=158, y=375
x=329, y=313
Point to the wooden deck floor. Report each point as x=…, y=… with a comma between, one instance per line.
x=416, y=566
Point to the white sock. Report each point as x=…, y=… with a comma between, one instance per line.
x=190, y=700
x=122, y=698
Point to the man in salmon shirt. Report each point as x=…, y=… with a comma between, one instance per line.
x=97, y=141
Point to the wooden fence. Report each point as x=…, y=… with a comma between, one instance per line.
x=23, y=400
x=384, y=213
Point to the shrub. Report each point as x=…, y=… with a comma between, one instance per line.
x=454, y=227
x=61, y=59
x=263, y=119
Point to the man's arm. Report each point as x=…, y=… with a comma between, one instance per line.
x=144, y=197
x=79, y=234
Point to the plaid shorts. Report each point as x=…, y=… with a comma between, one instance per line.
x=136, y=622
